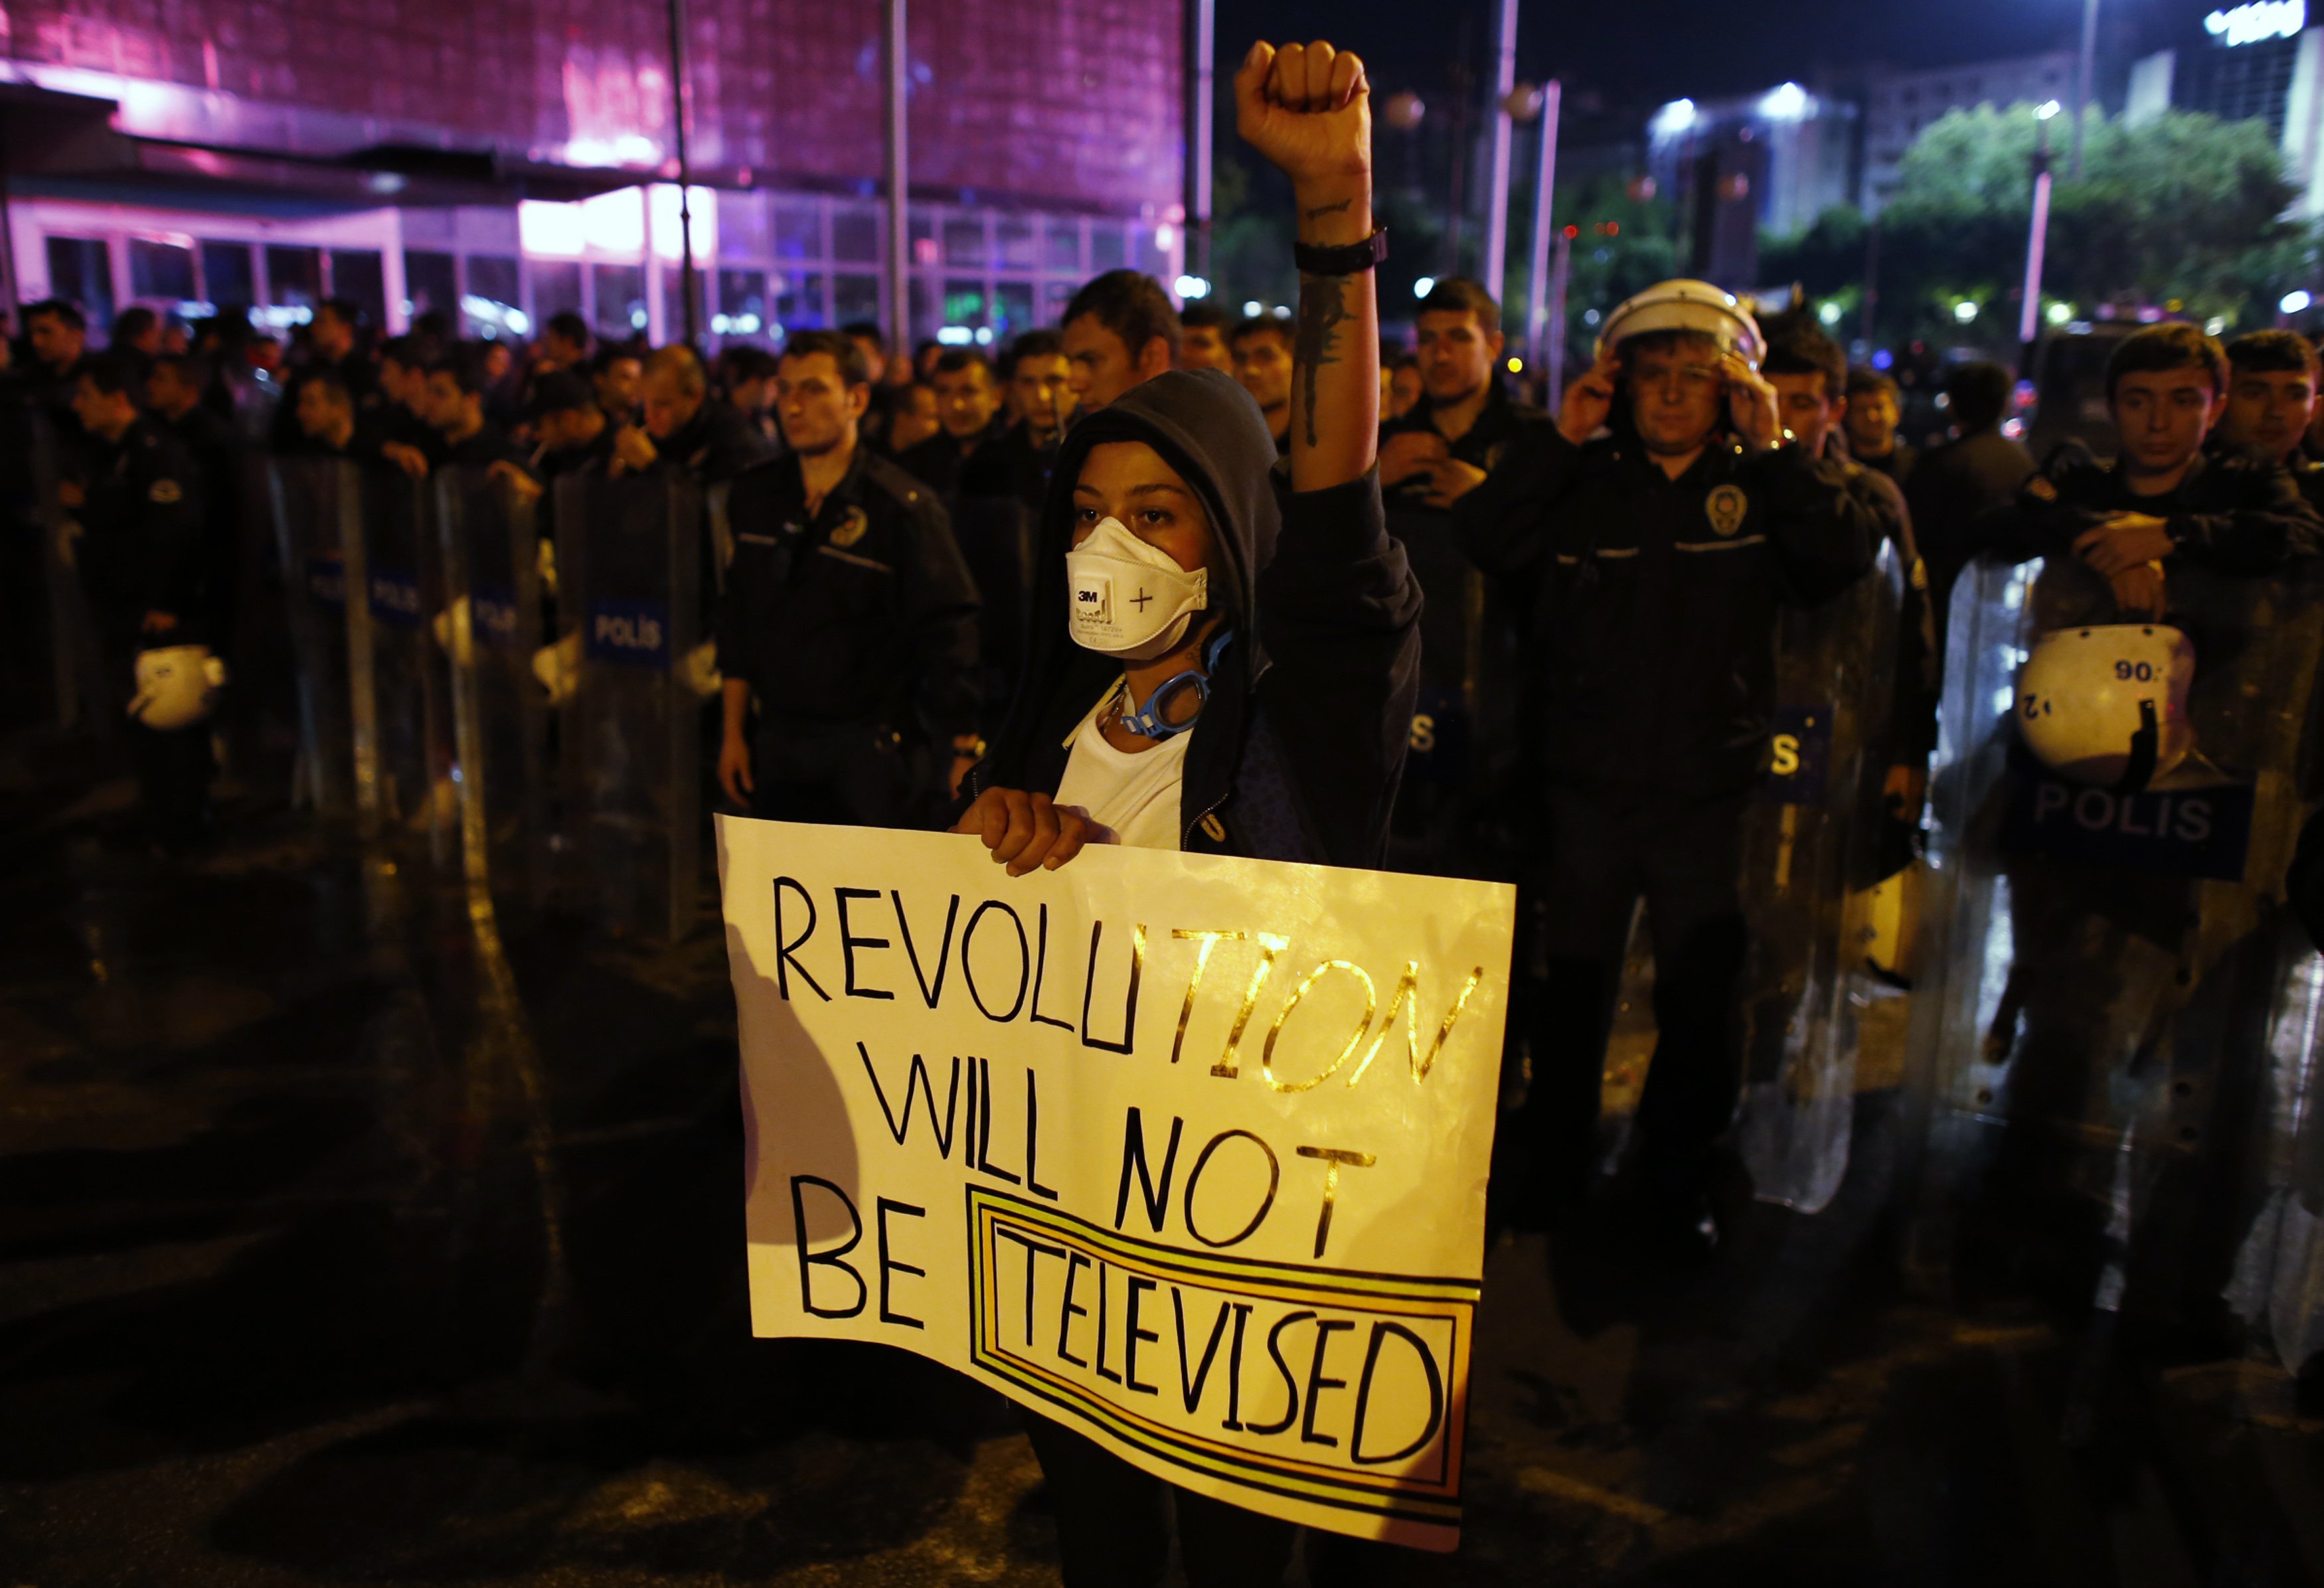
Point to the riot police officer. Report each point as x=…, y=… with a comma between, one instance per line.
x=140, y=554
x=686, y=427
x=2271, y=399
x=1811, y=378
x=848, y=617
x=2165, y=499
x=1660, y=553
x=1445, y=446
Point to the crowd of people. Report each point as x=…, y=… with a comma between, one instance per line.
x=1259, y=587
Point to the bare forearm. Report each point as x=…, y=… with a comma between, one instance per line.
x=736, y=700
x=1336, y=384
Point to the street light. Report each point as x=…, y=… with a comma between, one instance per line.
x=2294, y=301
x=1964, y=311
x=2084, y=68
x=2037, y=237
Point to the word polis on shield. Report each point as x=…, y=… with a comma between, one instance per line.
x=1185, y=1153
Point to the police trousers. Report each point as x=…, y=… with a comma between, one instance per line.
x=1114, y=1532
x=847, y=774
x=1606, y=853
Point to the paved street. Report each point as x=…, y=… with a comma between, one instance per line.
x=334, y=1249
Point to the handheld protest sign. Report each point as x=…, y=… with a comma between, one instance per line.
x=1184, y=1151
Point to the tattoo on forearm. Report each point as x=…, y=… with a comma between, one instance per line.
x=1322, y=310
x=1320, y=210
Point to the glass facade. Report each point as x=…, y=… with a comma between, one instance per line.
x=979, y=274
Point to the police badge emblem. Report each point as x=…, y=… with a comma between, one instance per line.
x=851, y=528
x=1725, y=508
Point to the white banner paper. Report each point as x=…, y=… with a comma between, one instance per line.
x=1185, y=1153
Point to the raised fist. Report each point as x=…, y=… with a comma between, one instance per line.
x=1308, y=109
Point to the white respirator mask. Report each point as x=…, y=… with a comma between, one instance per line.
x=1128, y=598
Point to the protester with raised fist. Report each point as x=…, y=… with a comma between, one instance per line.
x=1228, y=671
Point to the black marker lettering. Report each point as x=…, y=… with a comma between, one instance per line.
x=1040, y=969
x=808, y=1261
x=848, y=942
x=784, y=961
x=1282, y=1368
x=929, y=994
x=889, y=1265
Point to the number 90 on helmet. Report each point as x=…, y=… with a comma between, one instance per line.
x=2107, y=705
x=1686, y=306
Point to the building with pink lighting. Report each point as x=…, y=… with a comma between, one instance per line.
x=513, y=158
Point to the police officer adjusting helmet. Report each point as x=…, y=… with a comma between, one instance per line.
x=2107, y=705
x=1681, y=304
x=177, y=686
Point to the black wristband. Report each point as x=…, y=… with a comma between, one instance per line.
x=1345, y=259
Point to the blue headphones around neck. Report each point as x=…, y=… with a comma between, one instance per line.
x=1146, y=721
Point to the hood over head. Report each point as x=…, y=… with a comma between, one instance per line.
x=1208, y=429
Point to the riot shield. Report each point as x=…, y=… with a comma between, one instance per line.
x=629, y=584
x=78, y=652
x=2114, y=1033
x=1810, y=847
x=259, y=716
x=316, y=502
x=411, y=704
x=489, y=628
x=1465, y=717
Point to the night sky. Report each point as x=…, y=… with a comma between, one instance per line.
x=1650, y=50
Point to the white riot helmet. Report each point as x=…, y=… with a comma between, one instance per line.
x=1687, y=306
x=177, y=686
x=2107, y=705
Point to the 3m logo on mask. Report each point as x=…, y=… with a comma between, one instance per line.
x=1142, y=625
x=1093, y=603
x=629, y=633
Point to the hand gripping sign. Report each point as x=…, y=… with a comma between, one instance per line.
x=1185, y=1153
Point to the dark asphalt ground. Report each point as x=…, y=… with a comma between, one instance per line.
x=322, y=1263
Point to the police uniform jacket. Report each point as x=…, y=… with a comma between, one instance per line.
x=716, y=444
x=941, y=461
x=141, y=545
x=1464, y=626
x=489, y=445
x=215, y=452
x=1649, y=664
x=1914, y=697
x=859, y=613
x=2237, y=514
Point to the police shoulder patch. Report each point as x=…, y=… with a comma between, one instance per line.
x=851, y=528
x=1725, y=508
x=165, y=491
